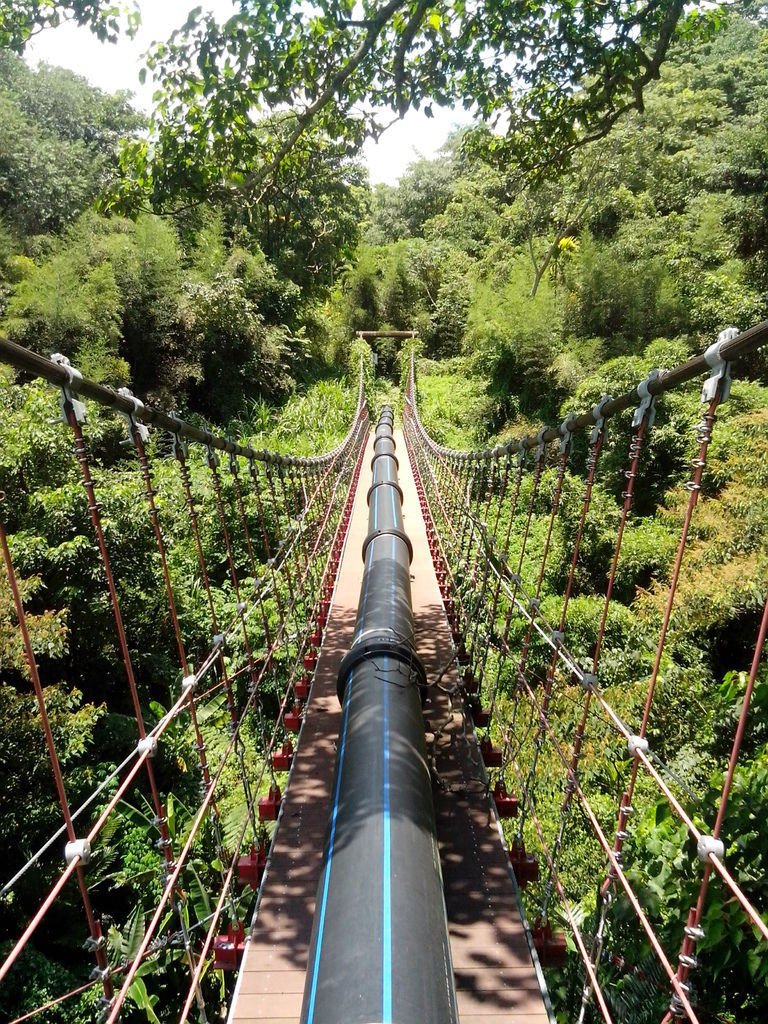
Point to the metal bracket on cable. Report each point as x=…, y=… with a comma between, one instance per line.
x=134, y=427
x=721, y=368
x=598, y=412
x=67, y=396
x=566, y=431
x=234, y=467
x=541, y=444
x=521, y=452
x=213, y=458
x=647, y=406
x=180, y=446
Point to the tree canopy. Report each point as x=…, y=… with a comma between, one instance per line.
x=22, y=19
x=545, y=76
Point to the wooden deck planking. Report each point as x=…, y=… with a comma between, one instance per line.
x=495, y=977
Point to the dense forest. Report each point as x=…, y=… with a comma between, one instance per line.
x=533, y=293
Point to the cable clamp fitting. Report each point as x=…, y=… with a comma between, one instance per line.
x=99, y=974
x=637, y=745
x=588, y=680
x=566, y=431
x=534, y=604
x=708, y=847
x=218, y=640
x=694, y=932
x=180, y=446
x=647, y=406
x=691, y=962
x=134, y=427
x=557, y=636
x=93, y=944
x=213, y=458
x=78, y=848
x=105, y=1007
x=541, y=444
x=67, y=395
x=147, y=745
x=188, y=684
x=522, y=451
x=598, y=412
x=721, y=369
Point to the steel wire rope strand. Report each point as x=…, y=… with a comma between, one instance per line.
x=160, y=945
x=40, y=366
x=646, y=758
x=55, y=373
x=173, y=877
x=143, y=755
x=217, y=913
x=540, y=622
x=614, y=861
x=744, y=344
x=712, y=860
x=579, y=938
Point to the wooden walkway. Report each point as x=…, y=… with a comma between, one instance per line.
x=495, y=976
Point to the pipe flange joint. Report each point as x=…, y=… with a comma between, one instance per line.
x=378, y=647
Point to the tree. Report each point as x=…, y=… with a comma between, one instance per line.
x=58, y=144
x=558, y=73
x=23, y=19
x=423, y=192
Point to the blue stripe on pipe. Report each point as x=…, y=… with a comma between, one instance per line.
x=331, y=844
x=386, y=938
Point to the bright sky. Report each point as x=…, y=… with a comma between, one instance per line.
x=116, y=66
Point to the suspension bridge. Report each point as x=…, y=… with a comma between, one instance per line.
x=387, y=670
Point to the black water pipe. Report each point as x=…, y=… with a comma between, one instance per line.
x=380, y=952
